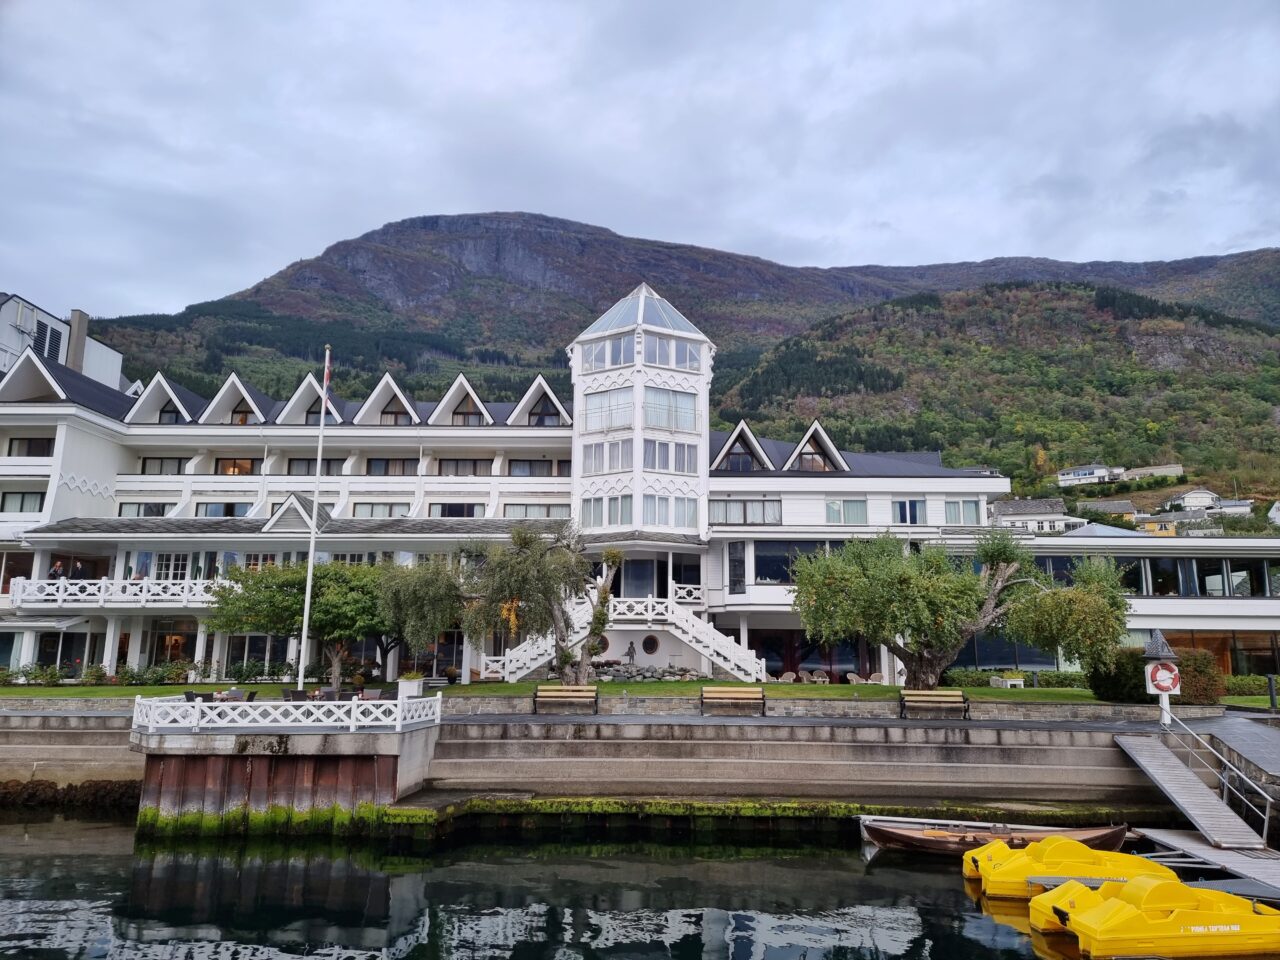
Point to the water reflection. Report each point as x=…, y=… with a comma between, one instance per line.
x=540, y=903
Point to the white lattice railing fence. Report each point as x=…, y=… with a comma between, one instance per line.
x=160, y=714
x=104, y=592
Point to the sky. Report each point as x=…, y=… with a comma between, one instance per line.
x=162, y=153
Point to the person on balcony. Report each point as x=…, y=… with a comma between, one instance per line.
x=78, y=572
x=56, y=572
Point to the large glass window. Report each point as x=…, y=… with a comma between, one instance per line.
x=163, y=465
x=609, y=409
x=1248, y=578
x=592, y=512
x=737, y=551
x=619, y=510
x=31, y=447
x=379, y=510
x=456, y=510
x=544, y=413
x=909, y=512
x=467, y=413
x=171, y=566
x=773, y=558
x=1131, y=574
x=1211, y=578
x=22, y=502
x=313, y=415
x=529, y=468
x=535, y=511
x=852, y=512
x=684, y=511
x=670, y=409
x=237, y=466
x=740, y=459
x=306, y=466
x=169, y=413
x=1164, y=576
x=395, y=415
x=745, y=511
x=402, y=466
x=963, y=513
x=237, y=509
x=812, y=459
x=242, y=415
x=1273, y=576
x=145, y=509
x=613, y=352
x=670, y=352
x=657, y=510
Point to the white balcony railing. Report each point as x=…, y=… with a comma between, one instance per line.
x=616, y=417
x=687, y=593
x=176, y=714
x=78, y=594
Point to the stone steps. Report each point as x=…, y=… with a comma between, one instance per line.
x=67, y=748
x=28, y=720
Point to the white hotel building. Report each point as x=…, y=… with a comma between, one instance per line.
x=154, y=496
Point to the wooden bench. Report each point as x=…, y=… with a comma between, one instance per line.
x=932, y=700
x=735, y=696
x=548, y=694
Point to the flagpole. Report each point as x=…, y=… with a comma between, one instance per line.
x=315, y=517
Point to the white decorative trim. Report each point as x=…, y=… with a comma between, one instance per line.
x=450, y=400
x=522, y=408
x=84, y=485
x=287, y=412
x=389, y=383
x=829, y=448
x=747, y=434
x=158, y=382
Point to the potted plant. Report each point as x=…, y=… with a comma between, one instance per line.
x=452, y=674
x=410, y=684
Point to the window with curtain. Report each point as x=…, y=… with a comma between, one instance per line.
x=963, y=513
x=847, y=512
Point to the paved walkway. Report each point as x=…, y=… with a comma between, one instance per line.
x=1254, y=739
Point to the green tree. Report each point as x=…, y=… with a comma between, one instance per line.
x=925, y=606
x=529, y=586
x=421, y=602
x=344, y=607
x=266, y=600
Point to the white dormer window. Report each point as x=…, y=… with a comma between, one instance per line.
x=169, y=413
x=242, y=415
x=467, y=413
x=812, y=459
x=544, y=413
x=395, y=415
x=313, y=415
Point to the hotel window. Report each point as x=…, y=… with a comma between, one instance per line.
x=306, y=466
x=467, y=413
x=313, y=415
x=529, y=468
x=592, y=459
x=1248, y=578
x=237, y=467
x=614, y=352
x=737, y=567
x=669, y=352
x=657, y=510
x=536, y=511
x=395, y=415
x=456, y=510
x=379, y=511
x=145, y=509
x=774, y=558
x=684, y=511
x=236, y=509
x=1211, y=580
x=171, y=566
x=853, y=512
x=963, y=513
x=394, y=467
x=464, y=468
x=564, y=468
x=22, y=502
x=812, y=459
x=911, y=512
x=163, y=465
x=740, y=459
x=611, y=457
x=544, y=413
x=745, y=511
x=242, y=415
x=169, y=413
x=657, y=455
x=609, y=409
x=619, y=509
x=670, y=409
x=1164, y=576
x=592, y=512
x=31, y=447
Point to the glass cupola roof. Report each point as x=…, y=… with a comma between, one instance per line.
x=642, y=307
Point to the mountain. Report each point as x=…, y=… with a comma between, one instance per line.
x=1029, y=378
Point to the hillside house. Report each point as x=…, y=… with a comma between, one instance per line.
x=1048, y=515
x=1089, y=473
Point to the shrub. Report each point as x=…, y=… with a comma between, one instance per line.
x=94, y=675
x=127, y=675
x=245, y=672
x=1246, y=685
x=1063, y=680
x=968, y=677
x=48, y=676
x=7, y=679
x=1125, y=682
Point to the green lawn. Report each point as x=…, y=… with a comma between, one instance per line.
x=1264, y=702
x=525, y=688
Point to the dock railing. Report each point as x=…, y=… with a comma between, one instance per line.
x=1254, y=799
x=178, y=715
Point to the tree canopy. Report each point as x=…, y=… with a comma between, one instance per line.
x=926, y=605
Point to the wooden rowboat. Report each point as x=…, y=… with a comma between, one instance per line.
x=953, y=837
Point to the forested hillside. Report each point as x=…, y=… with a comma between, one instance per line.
x=1028, y=378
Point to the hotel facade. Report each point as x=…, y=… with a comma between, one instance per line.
x=118, y=511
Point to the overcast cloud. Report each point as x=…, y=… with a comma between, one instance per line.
x=161, y=153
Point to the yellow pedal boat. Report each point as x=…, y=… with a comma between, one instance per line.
x=1153, y=916
x=1046, y=910
x=1060, y=857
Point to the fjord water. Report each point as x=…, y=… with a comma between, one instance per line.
x=81, y=890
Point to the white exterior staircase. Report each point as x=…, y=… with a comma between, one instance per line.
x=701, y=637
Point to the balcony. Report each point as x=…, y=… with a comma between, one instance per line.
x=129, y=594
x=617, y=417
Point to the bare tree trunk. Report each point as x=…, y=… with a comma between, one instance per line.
x=924, y=670
x=334, y=652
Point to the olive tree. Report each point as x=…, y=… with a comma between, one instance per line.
x=926, y=605
x=530, y=585
x=421, y=602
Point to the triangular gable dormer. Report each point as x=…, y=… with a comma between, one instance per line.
x=158, y=403
x=304, y=406
x=30, y=380
x=742, y=452
x=539, y=407
x=135, y=389
x=815, y=453
x=460, y=407
x=233, y=404
x=387, y=406
x=294, y=515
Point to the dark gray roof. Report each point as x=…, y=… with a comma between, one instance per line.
x=461, y=527
x=192, y=401
x=918, y=463
x=1103, y=530
x=1107, y=506
x=643, y=536
x=1012, y=508
x=88, y=392
x=1179, y=516
x=1085, y=466
x=121, y=526
x=307, y=504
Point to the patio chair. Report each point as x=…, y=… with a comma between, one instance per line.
x=249, y=697
x=852, y=678
x=876, y=678
x=820, y=676
x=787, y=677
x=296, y=696
x=234, y=694
x=190, y=696
x=375, y=694
x=805, y=676
x=329, y=696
